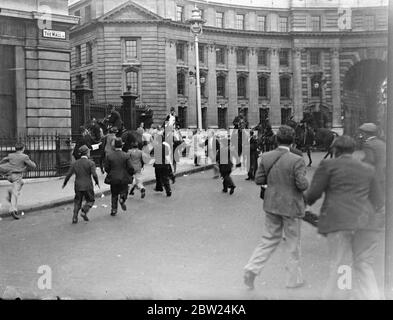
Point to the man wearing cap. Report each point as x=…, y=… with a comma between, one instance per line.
x=347, y=219
x=119, y=171
x=84, y=169
x=374, y=151
x=285, y=175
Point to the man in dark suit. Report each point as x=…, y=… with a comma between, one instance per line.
x=285, y=175
x=253, y=165
x=119, y=171
x=84, y=169
x=162, y=167
x=348, y=219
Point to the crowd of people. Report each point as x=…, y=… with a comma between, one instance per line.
x=351, y=217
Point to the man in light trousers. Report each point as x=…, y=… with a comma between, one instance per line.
x=285, y=175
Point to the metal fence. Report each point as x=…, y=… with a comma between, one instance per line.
x=51, y=153
x=79, y=113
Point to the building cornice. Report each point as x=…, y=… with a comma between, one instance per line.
x=208, y=29
x=38, y=15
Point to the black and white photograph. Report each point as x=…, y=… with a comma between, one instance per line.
x=192, y=150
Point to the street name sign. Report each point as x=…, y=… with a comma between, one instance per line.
x=54, y=34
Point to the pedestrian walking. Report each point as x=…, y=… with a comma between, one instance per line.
x=198, y=141
x=253, y=141
x=162, y=168
x=177, y=150
x=284, y=173
x=212, y=146
x=225, y=167
x=119, y=175
x=84, y=169
x=13, y=167
x=374, y=152
x=348, y=220
x=137, y=163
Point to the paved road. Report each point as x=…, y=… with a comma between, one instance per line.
x=190, y=246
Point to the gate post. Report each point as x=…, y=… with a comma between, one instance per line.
x=82, y=95
x=129, y=110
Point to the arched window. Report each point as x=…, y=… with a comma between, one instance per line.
x=132, y=80
x=241, y=87
x=221, y=86
x=285, y=90
x=180, y=83
x=262, y=87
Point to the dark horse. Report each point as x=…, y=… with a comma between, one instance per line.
x=307, y=137
x=130, y=137
x=266, y=137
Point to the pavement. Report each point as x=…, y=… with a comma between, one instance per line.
x=42, y=193
x=192, y=245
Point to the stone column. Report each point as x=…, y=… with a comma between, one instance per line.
x=253, y=112
x=336, y=88
x=297, y=84
x=212, y=118
x=129, y=110
x=275, y=110
x=231, y=88
x=82, y=95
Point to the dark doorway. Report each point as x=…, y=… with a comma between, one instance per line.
x=362, y=84
x=7, y=91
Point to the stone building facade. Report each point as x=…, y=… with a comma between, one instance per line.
x=34, y=67
x=273, y=62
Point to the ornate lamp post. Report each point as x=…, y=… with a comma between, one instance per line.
x=319, y=84
x=196, y=23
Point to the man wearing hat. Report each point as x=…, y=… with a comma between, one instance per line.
x=375, y=154
x=374, y=151
x=119, y=171
x=84, y=169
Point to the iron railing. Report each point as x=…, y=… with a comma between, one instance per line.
x=50, y=152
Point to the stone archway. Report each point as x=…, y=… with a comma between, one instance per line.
x=361, y=87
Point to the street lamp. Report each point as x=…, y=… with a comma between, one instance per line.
x=196, y=22
x=319, y=84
